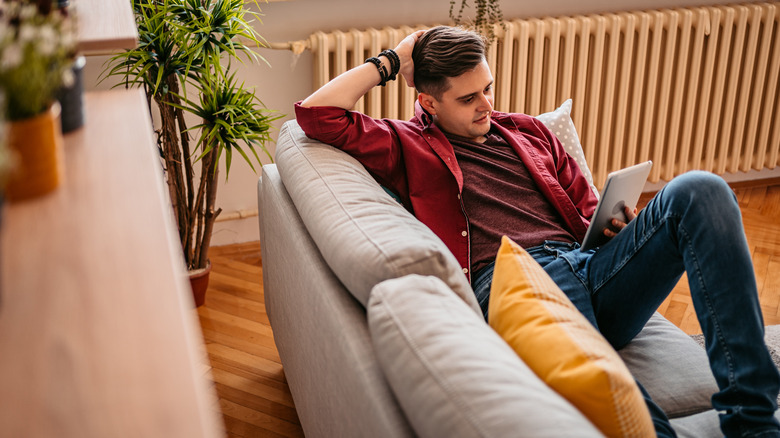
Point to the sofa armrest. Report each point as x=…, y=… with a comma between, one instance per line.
x=320, y=330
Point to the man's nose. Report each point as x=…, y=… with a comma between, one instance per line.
x=485, y=103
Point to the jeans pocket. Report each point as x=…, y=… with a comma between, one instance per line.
x=578, y=263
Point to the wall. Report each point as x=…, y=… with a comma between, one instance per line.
x=288, y=78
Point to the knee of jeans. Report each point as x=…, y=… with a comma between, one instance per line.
x=699, y=189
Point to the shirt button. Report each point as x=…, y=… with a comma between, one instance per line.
x=458, y=195
x=464, y=234
x=465, y=271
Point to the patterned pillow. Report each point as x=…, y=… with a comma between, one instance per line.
x=559, y=122
x=549, y=334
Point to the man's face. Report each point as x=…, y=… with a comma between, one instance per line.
x=465, y=108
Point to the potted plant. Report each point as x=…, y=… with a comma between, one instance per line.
x=488, y=13
x=37, y=47
x=184, y=61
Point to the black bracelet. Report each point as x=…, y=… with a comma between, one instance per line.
x=381, y=68
x=395, y=62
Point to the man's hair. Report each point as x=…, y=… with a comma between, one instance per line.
x=445, y=52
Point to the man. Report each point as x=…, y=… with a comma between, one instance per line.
x=473, y=174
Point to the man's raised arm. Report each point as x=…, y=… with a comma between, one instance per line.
x=346, y=89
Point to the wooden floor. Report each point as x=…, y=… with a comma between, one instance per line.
x=253, y=395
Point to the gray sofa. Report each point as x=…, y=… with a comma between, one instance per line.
x=379, y=332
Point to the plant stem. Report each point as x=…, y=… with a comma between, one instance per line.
x=210, y=173
x=173, y=164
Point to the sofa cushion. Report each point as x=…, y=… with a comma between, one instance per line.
x=549, y=334
x=452, y=375
x=364, y=235
x=673, y=369
x=702, y=425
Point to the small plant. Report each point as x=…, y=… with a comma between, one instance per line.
x=37, y=47
x=488, y=13
x=184, y=58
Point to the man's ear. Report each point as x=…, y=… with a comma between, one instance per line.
x=428, y=102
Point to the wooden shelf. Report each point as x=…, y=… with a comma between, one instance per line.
x=98, y=333
x=105, y=26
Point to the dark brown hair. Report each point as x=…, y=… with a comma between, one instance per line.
x=445, y=52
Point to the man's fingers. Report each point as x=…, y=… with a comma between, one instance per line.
x=630, y=214
x=404, y=52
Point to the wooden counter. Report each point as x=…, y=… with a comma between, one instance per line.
x=104, y=26
x=98, y=336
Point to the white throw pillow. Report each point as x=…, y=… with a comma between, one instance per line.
x=559, y=122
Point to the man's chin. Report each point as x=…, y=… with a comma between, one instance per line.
x=482, y=128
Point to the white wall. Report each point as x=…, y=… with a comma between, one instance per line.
x=288, y=78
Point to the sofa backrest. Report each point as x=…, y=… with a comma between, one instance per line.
x=364, y=235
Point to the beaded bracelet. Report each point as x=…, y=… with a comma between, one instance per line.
x=384, y=77
x=395, y=62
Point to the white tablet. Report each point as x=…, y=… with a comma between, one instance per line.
x=623, y=188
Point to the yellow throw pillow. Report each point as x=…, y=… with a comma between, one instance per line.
x=555, y=340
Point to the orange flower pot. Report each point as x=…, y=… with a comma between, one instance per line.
x=38, y=145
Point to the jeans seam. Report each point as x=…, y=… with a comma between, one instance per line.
x=714, y=318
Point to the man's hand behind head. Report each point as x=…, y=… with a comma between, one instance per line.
x=404, y=51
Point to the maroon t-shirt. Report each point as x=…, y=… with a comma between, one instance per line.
x=501, y=198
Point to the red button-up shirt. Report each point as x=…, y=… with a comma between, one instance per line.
x=416, y=161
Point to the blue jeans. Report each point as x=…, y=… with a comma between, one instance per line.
x=692, y=225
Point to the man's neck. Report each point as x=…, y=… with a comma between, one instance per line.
x=449, y=135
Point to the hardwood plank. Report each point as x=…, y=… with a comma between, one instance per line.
x=251, y=290
x=260, y=419
x=248, y=363
x=770, y=299
x=241, y=343
x=274, y=394
x=231, y=304
x=236, y=428
x=246, y=271
x=238, y=326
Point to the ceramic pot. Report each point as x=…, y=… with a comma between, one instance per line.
x=38, y=145
x=199, y=281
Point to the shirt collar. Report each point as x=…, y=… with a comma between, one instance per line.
x=422, y=116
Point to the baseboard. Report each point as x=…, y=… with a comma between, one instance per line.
x=228, y=232
x=754, y=178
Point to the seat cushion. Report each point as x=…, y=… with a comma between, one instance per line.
x=558, y=343
x=702, y=425
x=452, y=375
x=673, y=369
x=365, y=236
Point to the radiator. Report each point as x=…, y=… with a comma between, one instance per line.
x=693, y=88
